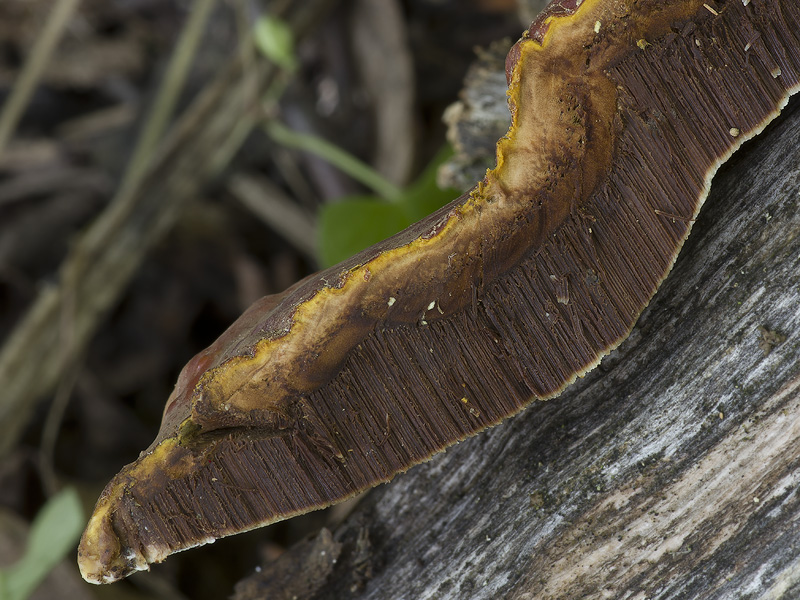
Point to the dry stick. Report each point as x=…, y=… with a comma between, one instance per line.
x=110, y=252
x=168, y=93
x=34, y=67
x=384, y=56
x=266, y=201
x=66, y=383
x=156, y=121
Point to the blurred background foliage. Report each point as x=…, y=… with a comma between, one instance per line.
x=163, y=164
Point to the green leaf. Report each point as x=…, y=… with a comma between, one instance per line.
x=276, y=41
x=53, y=533
x=424, y=196
x=352, y=224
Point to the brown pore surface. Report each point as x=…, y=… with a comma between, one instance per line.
x=622, y=112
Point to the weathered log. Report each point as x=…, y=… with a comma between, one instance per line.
x=669, y=472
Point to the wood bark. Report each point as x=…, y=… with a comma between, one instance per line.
x=671, y=471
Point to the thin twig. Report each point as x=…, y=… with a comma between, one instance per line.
x=168, y=92
x=66, y=383
x=34, y=67
x=280, y=213
x=336, y=156
x=52, y=427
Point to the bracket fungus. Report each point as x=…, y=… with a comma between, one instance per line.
x=622, y=111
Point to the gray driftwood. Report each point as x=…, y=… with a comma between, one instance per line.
x=671, y=471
